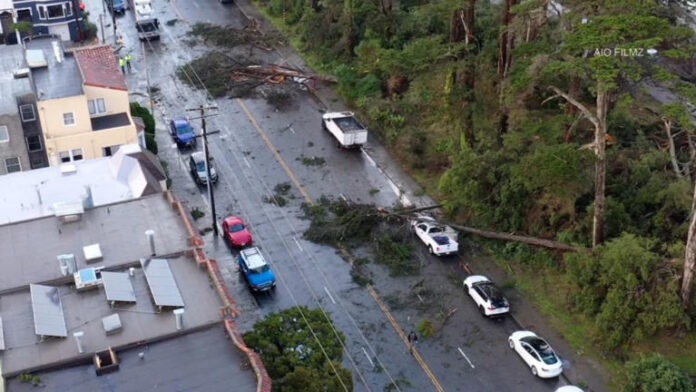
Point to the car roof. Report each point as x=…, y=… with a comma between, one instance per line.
x=180, y=121
x=253, y=257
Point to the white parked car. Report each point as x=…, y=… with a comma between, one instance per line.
x=440, y=239
x=536, y=353
x=487, y=296
x=569, y=388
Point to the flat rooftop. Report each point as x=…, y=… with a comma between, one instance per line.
x=11, y=60
x=119, y=229
x=141, y=321
x=123, y=176
x=58, y=80
x=202, y=360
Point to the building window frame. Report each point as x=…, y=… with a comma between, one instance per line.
x=42, y=12
x=59, y=6
x=68, y=10
x=72, y=116
x=17, y=167
x=38, y=140
x=96, y=106
x=31, y=12
x=4, y=138
x=21, y=112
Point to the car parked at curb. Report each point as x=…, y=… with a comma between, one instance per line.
x=236, y=232
x=182, y=132
x=536, y=353
x=256, y=270
x=487, y=296
x=198, y=171
x=569, y=388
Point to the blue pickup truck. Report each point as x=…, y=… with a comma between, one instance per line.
x=182, y=132
x=256, y=270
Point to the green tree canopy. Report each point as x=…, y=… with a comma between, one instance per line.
x=656, y=374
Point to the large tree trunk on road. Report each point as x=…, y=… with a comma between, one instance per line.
x=689, y=258
x=519, y=238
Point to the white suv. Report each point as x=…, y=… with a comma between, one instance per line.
x=488, y=298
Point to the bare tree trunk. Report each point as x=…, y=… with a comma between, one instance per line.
x=599, y=120
x=571, y=110
x=600, y=166
x=670, y=143
x=692, y=154
x=519, y=238
x=506, y=38
x=689, y=259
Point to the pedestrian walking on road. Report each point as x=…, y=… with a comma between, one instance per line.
x=412, y=340
x=122, y=64
x=128, y=61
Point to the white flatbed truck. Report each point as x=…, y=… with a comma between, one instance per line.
x=345, y=128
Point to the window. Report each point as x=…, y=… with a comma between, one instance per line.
x=42, y=12
x=68, y=119
x=68, y=9
x=34, y=143
x=77, y=154
x=70, y=156
x=24, y=15
x=96, y=106
x=12, y=165
x=4, y=135
x=27, y=112
x=55, y=11
x=109, y=151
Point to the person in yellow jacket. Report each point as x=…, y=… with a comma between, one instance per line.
x=128, y=61
x=122, y=64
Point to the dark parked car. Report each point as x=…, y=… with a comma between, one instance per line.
x=182, y=132
x=197, y=168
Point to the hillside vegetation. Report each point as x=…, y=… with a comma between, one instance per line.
x=569, y=120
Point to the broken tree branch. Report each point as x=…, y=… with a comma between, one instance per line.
x=534, y=241
x=587, y=113
x=670, y=143
x=272, y=70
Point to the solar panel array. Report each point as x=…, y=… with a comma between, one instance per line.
x=48, y=311
x=118, y=287
x=163, y=287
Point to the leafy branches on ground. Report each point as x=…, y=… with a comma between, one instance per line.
x=656, y=374
x=302, y=351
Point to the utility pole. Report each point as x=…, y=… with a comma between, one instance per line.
x=209, y=181
x=101, y=25
x=76, y=11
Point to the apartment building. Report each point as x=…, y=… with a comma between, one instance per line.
x=82, y=101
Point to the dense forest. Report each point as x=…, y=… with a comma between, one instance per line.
x=569, y=120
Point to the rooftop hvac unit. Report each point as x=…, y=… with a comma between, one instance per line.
x=87, y=278
x=68, y=212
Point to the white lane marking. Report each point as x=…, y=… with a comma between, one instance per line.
x=297, y=243
x=331, y=297
x=342, y=197
x=196, y=4
x=368, y=357
x=465, y=357
x=247, y=162
x=419, y=297
x=291, y=130
x=369, y=159
x=394, y=188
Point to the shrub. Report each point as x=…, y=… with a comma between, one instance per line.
x=426, y=328
x=626, y=287
x=656, y=374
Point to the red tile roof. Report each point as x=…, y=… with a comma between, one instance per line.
x=99, y=67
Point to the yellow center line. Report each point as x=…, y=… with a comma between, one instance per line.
x=373, y=293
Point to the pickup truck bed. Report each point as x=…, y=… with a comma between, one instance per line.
x=347, y=130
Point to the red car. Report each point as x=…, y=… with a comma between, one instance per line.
x=236, y=231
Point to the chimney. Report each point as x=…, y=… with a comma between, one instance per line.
x=150, y=234
x=179, y=317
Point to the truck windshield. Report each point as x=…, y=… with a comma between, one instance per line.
x=183, y=129
x=259, y=270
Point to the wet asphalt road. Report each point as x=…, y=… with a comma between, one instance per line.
x=469, y=354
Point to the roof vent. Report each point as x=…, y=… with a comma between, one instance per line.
x=21, y=73
x=68, y=168
x=57, y=51
x=35, y=58
x=68, y=212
